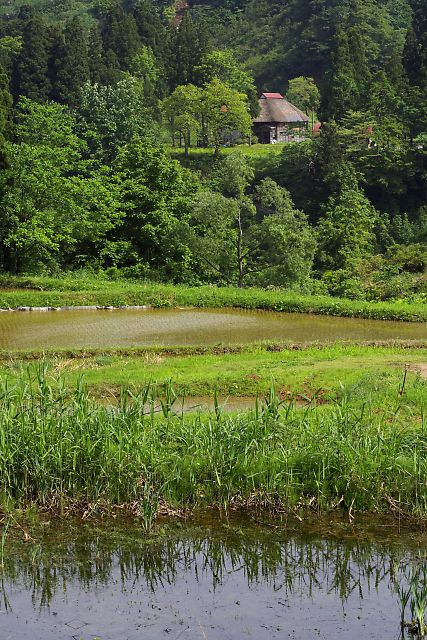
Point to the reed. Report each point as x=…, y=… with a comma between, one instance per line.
x=59, y=448
x=413, y=592
x=4, y=530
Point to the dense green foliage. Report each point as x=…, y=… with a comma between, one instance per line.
x=91, y=94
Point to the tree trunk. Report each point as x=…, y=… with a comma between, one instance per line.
x=11, y=262
x=240, y=252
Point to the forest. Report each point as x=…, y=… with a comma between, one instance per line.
x=115, y=156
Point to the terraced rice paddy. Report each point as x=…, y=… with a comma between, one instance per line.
x=212, y=473
x=202, y=327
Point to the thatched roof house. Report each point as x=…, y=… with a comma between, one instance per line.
x=279, y=120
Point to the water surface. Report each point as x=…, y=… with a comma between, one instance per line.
x=218, y=582
x=173, y=327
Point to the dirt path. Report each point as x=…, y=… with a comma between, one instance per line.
x=420, y=368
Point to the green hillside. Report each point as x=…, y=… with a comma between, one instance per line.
x=128, y=144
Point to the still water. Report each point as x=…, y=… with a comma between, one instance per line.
x=234, y=581
x=131, y=328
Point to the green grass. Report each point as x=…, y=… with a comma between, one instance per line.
x=258, y=154
x=72, y=290
x=254, y=150
x=59, y=448
x=263, y=157
x=251, y=371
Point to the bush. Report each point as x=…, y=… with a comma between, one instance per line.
x=411, y=258
x=343, y=283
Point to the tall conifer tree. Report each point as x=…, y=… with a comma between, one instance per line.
x=411, y=58
x=151, y=29
x=120, y=34
x=415, y=51
x=384, y=101
x=56, y=46
x=361, y=72
x=396, y=72
x=189, y=42
x=340, y=91
x=5, y=116
x=111, y=74
x=72, y=66
x=31, y=72
x=96, y=57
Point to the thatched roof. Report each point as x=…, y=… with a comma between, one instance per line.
x=274, y=108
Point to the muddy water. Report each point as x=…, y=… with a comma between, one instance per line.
x=232, y=582
x=199, y=404
x=127, y=328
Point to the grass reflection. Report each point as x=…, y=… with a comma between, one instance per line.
x=92, y=557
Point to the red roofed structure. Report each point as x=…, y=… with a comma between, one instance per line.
x=272, y=96
x=279, y=120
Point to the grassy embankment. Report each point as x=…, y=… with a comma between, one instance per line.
x=60, y=449
x=70, y=291
x=325, y=372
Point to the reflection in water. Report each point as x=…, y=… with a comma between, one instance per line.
x=230, y=582
x=127, y=328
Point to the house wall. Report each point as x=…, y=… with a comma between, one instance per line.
x=271, y=132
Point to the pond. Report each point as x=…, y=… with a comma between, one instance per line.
x=210, y=581
x=174, y=327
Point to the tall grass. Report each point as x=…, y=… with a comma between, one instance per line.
x=59, y=447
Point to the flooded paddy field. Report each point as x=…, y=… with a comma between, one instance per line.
x=215, y=580
x=130, y=328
